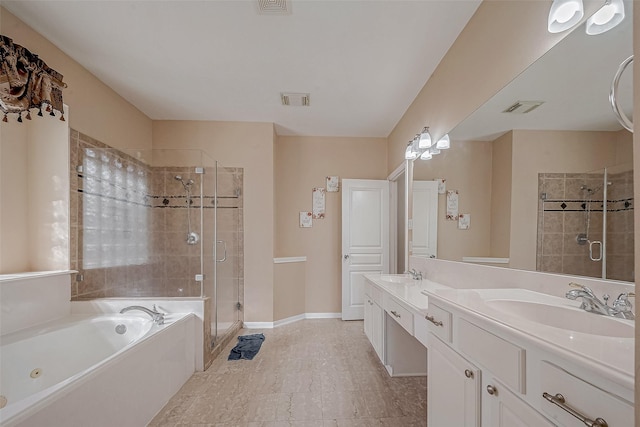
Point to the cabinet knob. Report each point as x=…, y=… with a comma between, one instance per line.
x=468, y=373
x=492, y=390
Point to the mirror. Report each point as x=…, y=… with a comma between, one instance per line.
x=514, y=171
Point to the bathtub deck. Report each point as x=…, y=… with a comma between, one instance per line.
x=320, y=372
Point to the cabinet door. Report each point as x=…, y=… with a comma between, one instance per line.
x=377, y=330
x=453, y=390
x=368, y=320
x=505, y=409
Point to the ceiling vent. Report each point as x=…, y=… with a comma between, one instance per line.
x=523, y=107
x=274, y=7
x=295, y=99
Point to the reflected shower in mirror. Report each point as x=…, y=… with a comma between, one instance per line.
x=544, y=133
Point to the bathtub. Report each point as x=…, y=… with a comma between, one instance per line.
x=106, y=370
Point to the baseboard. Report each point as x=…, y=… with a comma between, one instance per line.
x=292, y=319
x=257, y=325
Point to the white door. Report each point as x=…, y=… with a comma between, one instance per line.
x=425, y=218
x=365, y=239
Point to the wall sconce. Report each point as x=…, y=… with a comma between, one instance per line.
x=609, y=16
x=443, y=143
x=564, y=14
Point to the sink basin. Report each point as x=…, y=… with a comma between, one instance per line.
x=396, y=278
x=564, y=317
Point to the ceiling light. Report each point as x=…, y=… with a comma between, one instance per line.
x=425, y=139
x=609, y=15
x=443, y=143
x=564, y=14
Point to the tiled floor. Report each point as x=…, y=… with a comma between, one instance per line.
x=310, y=373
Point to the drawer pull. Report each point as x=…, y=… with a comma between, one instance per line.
x=468, y=373
x=492, y=390
x=560, y=401
x=369, y=301
x=395, y=314
x=433, y=320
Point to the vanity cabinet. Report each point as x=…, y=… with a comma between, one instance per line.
x=374, y=320
x=389, y=325
x=479, y=374
x=453, y=385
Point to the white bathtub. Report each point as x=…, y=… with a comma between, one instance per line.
x=80, y=371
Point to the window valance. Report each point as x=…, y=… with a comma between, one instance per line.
x=26, y=82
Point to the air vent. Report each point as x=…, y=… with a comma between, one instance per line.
x=295, y=99
x=523, y=107
x=274, y=7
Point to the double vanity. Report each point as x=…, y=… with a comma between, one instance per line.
x=503, y=356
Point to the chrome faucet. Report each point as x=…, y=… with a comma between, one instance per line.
x=590, y=302
x=415, y=275
x=155, y=315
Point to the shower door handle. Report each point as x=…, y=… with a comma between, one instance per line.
x=591, y=244
x=224, y=258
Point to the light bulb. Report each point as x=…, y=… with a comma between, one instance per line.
x=426, y=155
x=425, y=139
x=608, y=17
x=443, y=143
x=564, y=14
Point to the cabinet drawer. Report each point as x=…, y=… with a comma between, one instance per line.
x=584, y=398
x=504, y=359
x=439, y=322
x=399, y=313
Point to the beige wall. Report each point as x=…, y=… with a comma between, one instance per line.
x=501, y=166
x=95, y=109
x=289, y=294
x=303, y=163
x=14, y=255
x=249, y=146
x=549, y=151
x=500, y=41
x=466, y=168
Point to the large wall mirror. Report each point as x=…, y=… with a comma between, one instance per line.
x=543, y=169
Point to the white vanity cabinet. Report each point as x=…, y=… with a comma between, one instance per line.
x=374, y=319
x=479, y=374
x=453, y=385
x=389, y=325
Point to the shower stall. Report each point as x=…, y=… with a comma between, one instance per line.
x=158, y=224
x=585, y=223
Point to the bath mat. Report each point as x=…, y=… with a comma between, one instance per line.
x=247, y=348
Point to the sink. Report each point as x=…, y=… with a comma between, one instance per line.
x=563, y=316
x=396, y=278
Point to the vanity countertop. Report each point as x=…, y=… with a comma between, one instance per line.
x=601, y=353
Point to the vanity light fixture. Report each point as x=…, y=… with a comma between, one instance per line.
x=425, y=139
x=434, y=150
x=609, y=16
x=564, y=14
x=411, y=153
x=443, y=143
x=426, y=155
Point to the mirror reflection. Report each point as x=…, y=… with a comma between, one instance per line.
x=541, y=169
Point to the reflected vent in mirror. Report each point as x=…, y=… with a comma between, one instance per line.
x=523, y=107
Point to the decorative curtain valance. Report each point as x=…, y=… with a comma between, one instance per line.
x=27, y=82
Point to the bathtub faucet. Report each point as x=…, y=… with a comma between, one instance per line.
x=155, y=315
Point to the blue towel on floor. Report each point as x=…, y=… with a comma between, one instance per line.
x=247, y=348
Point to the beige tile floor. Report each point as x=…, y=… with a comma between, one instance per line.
x=310, y=373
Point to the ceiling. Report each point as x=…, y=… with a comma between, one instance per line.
x=362, y=62
x=573, y=79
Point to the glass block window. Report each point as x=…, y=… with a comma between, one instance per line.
x=115, y=210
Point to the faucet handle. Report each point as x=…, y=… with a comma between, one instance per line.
x=583, y=287
x=606, y=297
